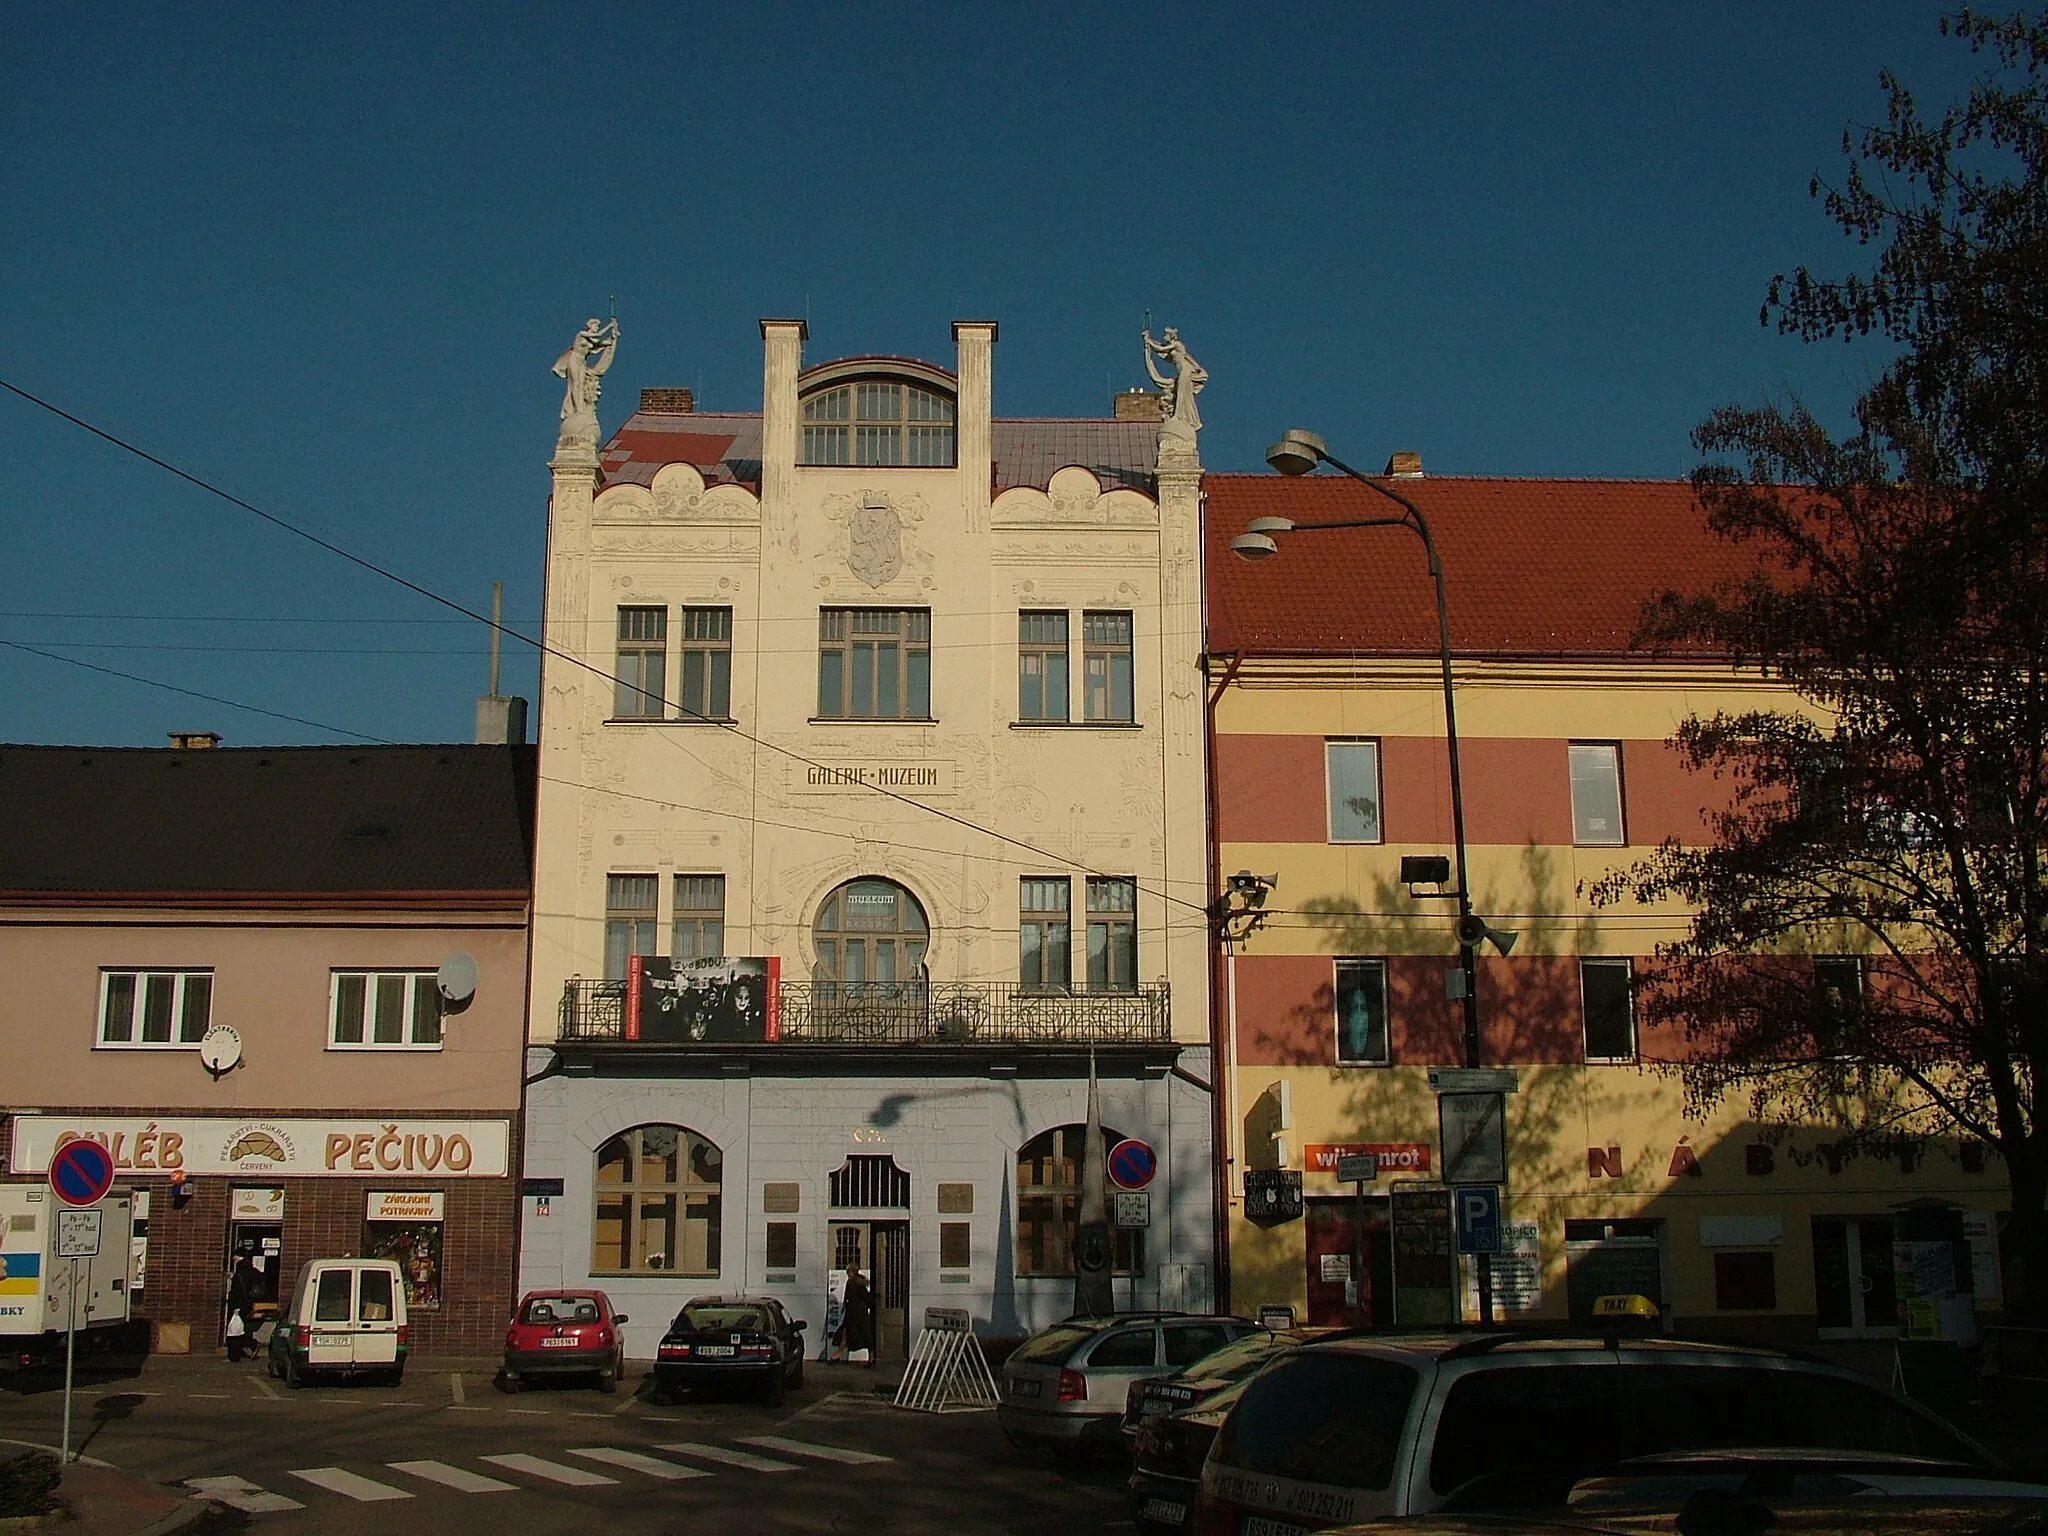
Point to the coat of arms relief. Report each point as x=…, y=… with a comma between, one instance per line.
x=874, y=535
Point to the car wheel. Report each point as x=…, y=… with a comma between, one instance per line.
x=394, y=1377
x=661, y=1399
x=608, y=1380
x=796, y=1375
x=508, y=1381
x=293, y=1376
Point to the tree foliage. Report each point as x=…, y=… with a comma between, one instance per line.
x=1893, y=809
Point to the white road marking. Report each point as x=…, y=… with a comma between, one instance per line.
x=452, y=1477
x=538, y=1413
x=240, y=1493
x=363, y=1489
x=634, y=1461
x=819, y=1452
x=268, y=1391
x=725, y=1453
x=217, y=1396
x=553, y=1471
x=455, y=1388
x=469, y=1408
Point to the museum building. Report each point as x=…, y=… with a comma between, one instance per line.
x=871, y=814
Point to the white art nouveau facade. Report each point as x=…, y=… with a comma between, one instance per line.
x=904, y=701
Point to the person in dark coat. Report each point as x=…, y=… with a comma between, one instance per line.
x=242, y=1304
x=857, y=1326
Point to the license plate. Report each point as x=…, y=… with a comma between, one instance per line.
x=559, y=1343
x=714, y=1349
x=1180, y=1397
x=1023, y=1389
x=1259, y=1525
x=1165, y=1511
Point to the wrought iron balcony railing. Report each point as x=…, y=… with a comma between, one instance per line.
x=909, y=1013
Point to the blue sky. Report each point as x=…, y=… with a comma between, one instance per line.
x=325, y=256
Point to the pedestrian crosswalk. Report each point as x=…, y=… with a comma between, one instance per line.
x=679, y=1461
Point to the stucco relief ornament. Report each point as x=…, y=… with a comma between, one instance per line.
x=1182, y=418
x=582, y=369
x=874, y=543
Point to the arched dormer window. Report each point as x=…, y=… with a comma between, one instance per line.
x=879, y=421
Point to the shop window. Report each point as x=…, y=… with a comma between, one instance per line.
x=405, y=1226
x=1112, y=934
x=706, y=663
x=658, y=1203
x=956, y=1244
x=629, y=916
x=698, y=928
x=1352, y=776
x=642, y=663
x=874, y=663
x=1049, y=1204
x=1041, y=666
x=1361, y=996
x=1044, y=934
x=163, y=1008
x=1106, y=667
x=384, y=1011
x=1608, y=990
x=1745, y=1282
x=781, y=1249
x=1596, y=794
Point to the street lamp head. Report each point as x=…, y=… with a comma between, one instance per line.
x=1297, y=452
x=1254, y=546
x=1270, y=525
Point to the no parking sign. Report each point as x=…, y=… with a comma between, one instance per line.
x=1132, y=1164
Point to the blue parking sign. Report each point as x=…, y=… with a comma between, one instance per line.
x=1478, y=1212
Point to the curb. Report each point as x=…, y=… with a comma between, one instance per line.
x=179, y=1518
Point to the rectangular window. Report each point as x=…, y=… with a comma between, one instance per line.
x=874, y=663
x=1596, y=795
x=629, y=917
x=1106, y=666
x=388, y=1010
x=1361, y=990
x=1112, y=935
x=781, y=1252
x=956, y=1244
x=706, y=663
x=699, y=928
x=1745, y=1282
x=1608, y=989
x=1353, y=774
x=161, y=1008
x=1837, y=1000
x=1044, y=926
x=643, y=663
x=1041, y=666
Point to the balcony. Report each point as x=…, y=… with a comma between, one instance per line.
x=915, y=1014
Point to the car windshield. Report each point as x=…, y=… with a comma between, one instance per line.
x=1234, y=1362
x=714, y=1318
x=1055, y=1344
x=1505, y=1423
x=559, y=1309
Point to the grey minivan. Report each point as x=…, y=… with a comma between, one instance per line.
x=1066, y=1387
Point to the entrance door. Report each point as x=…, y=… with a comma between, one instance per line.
x=262, y=1244
x=882, y=1250
x=1854, y=1296
x=1331, y=1228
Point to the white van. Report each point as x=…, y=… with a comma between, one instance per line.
x=344, y=1317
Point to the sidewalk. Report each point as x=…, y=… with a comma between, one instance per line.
x=99, y=1500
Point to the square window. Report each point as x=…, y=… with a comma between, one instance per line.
x=1353, y=773
x=1745, y=1282
x=167, y=1009
x=1596, y=795
x=874, y=663
x=1361, y=993
x=1608, y=988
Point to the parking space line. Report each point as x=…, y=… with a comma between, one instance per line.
x=458, y=1478
x=455, y=1388
x=637, y=1461
x=339, y=1480
x=553, y=1471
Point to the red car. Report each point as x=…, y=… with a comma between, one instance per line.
x=564, y=1333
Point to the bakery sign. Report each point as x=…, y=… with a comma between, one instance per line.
x=300, y=1148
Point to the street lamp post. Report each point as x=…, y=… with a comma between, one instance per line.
x=1297, y=453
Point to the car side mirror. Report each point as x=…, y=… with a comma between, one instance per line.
x=799, y=1324
x=620, y=1319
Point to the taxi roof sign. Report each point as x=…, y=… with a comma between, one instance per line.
x=1626, y=1306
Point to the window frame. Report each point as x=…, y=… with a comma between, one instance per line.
x=634, y=1189
x=1107, y=651
x=1379, y=965
x=618, y=916
x=1606, y=964
x=1112, y=921
x=1043, y=650
x=713, y=654
x=418, y=982
x=181, y=978
x=1046, y=922
x=840, y=642
x=1331, y=746
x=697, y=917
x=882, y=421
x=1580, y=839
x=640, y=648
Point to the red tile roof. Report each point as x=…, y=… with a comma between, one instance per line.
x=1531, y=567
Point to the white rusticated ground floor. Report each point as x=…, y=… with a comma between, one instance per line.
x=659, y=1178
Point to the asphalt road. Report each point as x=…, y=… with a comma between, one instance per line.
x=446, y=1446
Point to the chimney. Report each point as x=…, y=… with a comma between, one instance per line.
x=668, y=402
x=1139, y=405
x=1404, y=466
x=194, y=741
x=500, y=721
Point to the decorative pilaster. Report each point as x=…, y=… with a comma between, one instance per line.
x=783, y=358
x=975, y=340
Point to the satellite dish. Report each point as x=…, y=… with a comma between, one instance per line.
x=220, y=1050
x=457, y=978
